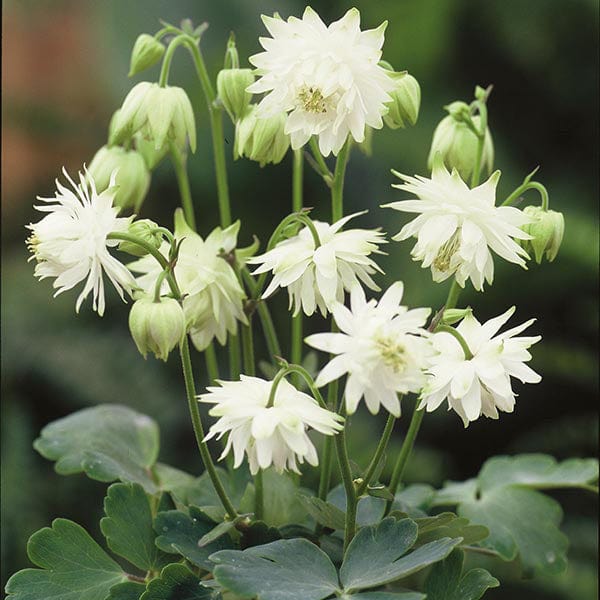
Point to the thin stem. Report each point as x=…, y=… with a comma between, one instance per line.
x=212, y=365
x=319, y=163
x=179, y=164
x=258, y=495
x=325, y=468
x=248, y=348
x=264, y=314
x=296, y=334
x=188, y=376
x=459, y=338
x=337, y=187
x=168, y=57
x=351, y=500
x=233, y=348
x=482, y=110
x=383, y=442
x=453, y=295
x=407, y=446
x=530, y=185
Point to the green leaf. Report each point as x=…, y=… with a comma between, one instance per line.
x=449, y=525
x=281, y=505
x=323, y=512
x=257, y=534
x=524, y=522
x=216, y=532
x=177, y=582
x=73, y=566
x=370, y=510
x=282, y=570
x=179, y=533
x=376, y=555
x=201, y=492
x=379, y=491
x=446, y=583
x=107, y=442
x=129, y=590
x=128, y=526
x=385, y=596
x=537, y=471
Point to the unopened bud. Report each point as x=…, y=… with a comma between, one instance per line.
x=262, y=140
x=156, y=327
x=231, y=88
x=403, y=110
x=161, y=114
x=146, y=230
x=132, y=177
x=147, y=51
x=546, y=231
x=458, y=145
x=454, y=315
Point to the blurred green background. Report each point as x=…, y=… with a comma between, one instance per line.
x=65, y=71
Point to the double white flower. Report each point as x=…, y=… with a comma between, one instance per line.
x=479, y=384
x=275, y=435
x=212, y=295
x=70, y=243
x=382, y=347
x=457, y=226
x=317, y=276
x=327, y=78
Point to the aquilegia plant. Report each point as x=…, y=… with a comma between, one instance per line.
x=252, y=529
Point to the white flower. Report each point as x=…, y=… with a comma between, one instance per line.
x=70, y=242
x=481, y=384
x=268, y=435
x=317, y=277
x=212, y=295
x=457, y=226
x=382, y=347
x=327, y=78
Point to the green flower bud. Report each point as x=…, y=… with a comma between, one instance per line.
x=132, y=178
x=457, y=144
x=161, y=114
x=156, y=327
x=146, y=230
x=454, y=315
x=546, y=230
x=406, y=100
x=262, y=140
x=231, y=88
x=147, y=51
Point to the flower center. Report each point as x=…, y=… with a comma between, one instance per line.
x=32, y=245
x=312, y=100
x=444, y=256
x=392, y=352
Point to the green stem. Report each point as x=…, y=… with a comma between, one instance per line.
x=179, y=164
x=325, y=468
x=188, y=376
x=212, y=365
x=482, y=109
x=264, y=314
x=351, y=499
x=248, y=349
x=233, y=348
x=453, y=295
x=318, y=162
x=258, y=496
x=383, y=442
x=168, y=57
x=407, y=446
x=530, y=185
x=459, y=338
x=296, y=335
x=337, y=187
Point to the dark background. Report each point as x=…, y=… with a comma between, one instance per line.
x=65, y=71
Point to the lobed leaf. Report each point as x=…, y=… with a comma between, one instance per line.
x=177, y=582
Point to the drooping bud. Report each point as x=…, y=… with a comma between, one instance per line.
x=403, y=110
x=231, y=89
x=156, y=327
x=262, y=140
x=457, y=143
x=132, y=177
x=146, y=230
x=546, y=231
x=147, y=51
x=161, y=114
